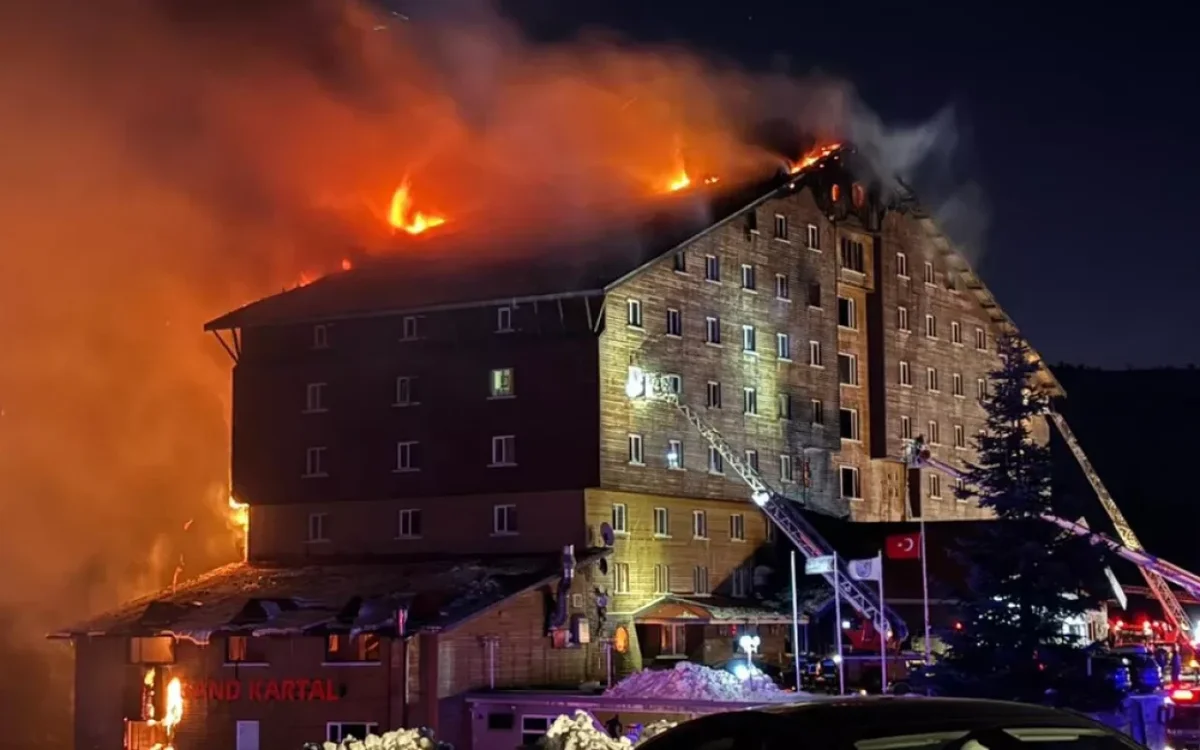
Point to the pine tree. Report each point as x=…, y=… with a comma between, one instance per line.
x=1026, y=576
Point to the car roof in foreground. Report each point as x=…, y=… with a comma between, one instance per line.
x=899, y=712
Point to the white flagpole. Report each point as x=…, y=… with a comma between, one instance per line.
x=883, y=628
x=795, y=623
x=837, y=626
x=925, y=594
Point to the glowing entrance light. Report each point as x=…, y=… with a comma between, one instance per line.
x=760, y=498
x=635, y=385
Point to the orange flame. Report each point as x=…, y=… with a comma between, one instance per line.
x=812, y=157
x=401, y=216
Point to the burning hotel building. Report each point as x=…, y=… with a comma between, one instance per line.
x=451, y=488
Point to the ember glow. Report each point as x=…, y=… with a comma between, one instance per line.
x=812, y=157
x=402, y=217
x=239, y=516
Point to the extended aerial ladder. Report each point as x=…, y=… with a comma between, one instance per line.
x=783, y=512
x=1155, y=570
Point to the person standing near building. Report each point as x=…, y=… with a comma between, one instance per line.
x=615, y=730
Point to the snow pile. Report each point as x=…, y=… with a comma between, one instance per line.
x=401, y=739
x=642, y=733
x=688, y=681
x=579, y=732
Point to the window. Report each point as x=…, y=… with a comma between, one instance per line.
x=662, y=578
x=716, y=462
x=679, y=262
x=504, y=322
x=620, y=518
x=813, y=237
x=739, y=585
x=318, y=530
x=818, y=412
x=749, y=401
x=851, y=488
x=783, y=346
x=242, y=649
x=931, y=380
x=787, y=469
x=674, y=322
x=712, y=269
x=783, y=405
x=343, y=731
x=314, y=398
x=847, y=313
x=781, y=227
x=852, y=255
x=152, y=650
x=752, y=222
x=675, y=383
x=960, y=490
x=814, y=295
x=504, y=519
x=848, y=423
x=814, y=354
x=929, y=279
x=905, y=428
x=960, y=436
x=314, y=463
x=981, y=390
x=930, y=327
x=320, y=336
x=770, y=531
x=737, y=527
x=749, y=278
x=712, y=330
x=533, y=728
x=662, y=526
x=674, y=454
x=634, y=311
x=902, y=265
x=847, y=369
x=406, y=391
x=935, y=487
x=699, y=524
x=749, y=339
x=752, y=458
x=410, y=328
x=409, y=524
x=700, y=580
x=980, y=339
x=902, y=319
x=500, y=383
x=346, y=649
x=935, y=433
x=905, y=374
x=637, y=454
x=956, y=332
x=783, y=288
x=956, y=384
x=407, y=456
x=621, y=577
x=504, y=450
x=858, y=195
x=713, y=395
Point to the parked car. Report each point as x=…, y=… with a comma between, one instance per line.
x=894, y=723
x=1181, y=718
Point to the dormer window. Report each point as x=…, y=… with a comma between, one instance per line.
x=858, y=195
x=835, y=193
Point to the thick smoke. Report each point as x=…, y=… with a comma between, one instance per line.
x=167, y=160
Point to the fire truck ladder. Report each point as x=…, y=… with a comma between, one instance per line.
x=1173, y=610
x=784, y=513
x=1155, y=570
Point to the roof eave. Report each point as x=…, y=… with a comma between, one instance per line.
x=230, y=321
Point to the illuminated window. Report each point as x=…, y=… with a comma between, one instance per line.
x=858, y=195
x=152, y=650
x=835, y=193
x=346, y=649
x=242, y=649
x=500, y=383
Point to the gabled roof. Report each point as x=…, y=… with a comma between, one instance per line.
x=251, y=599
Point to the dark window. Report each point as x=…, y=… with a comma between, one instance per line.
x=847, y=315
x=342, y=647
x=680, y=262
x=340, y=731
x=751, y=222
x=852, y=255
x=814, y=294
x=497, y=722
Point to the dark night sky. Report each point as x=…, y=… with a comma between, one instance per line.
x=1075, y=124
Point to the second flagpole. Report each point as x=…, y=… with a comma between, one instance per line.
x=883, y=630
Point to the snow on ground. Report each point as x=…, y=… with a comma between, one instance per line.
x=401, y=739
x=581, y=732
x=688, y=681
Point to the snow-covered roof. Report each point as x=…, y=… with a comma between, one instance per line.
x=714, y=609
x=254, y=599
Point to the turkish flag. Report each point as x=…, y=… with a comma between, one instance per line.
x=904, y=547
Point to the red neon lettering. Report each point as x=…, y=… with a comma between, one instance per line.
x=318, y=691
x=271, y=692
x=233, y=690
x=330, y=693
x=302, y=684
x=216, y=690
x=256, y=690
x=289, y=690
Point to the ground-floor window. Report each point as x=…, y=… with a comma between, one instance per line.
x=340, y=731
x=533, y=728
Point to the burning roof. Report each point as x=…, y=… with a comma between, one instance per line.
x=274, y=600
